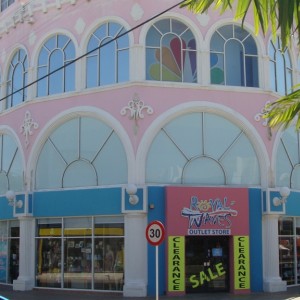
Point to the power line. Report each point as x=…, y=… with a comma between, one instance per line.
x=91, y=51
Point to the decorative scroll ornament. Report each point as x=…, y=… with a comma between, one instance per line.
x=260, y=116
x=135, y=108
x=27, y=126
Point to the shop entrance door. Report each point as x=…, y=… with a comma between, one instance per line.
x=207, y=264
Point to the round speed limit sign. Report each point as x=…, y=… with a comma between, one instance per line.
x=155, y=233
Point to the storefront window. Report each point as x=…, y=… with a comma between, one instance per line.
x=49, y=258
x=109, y=255
x=9, y=251
x=289, y=249
x=93, y=256
x=78, y=253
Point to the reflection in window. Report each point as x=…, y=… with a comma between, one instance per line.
x=54, y=55
x=11, y=171
x=78, y=153
x=9, y=256
x=289, y=249
x=280, y=68
x=109, y=63
x=193, y=150
x=171, y=52
x=233, y=48
x=17, y=79
x=288, y=159
x=92, y=256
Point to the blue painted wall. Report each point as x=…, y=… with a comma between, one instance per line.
x=293, y=204
x=6, y=211
x=77, y=202
x=256, y=261
x=156, y=196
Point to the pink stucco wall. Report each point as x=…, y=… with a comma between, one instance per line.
x=79, y=20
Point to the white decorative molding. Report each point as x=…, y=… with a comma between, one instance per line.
x=135, y=108
x=80, y=26
x=203, y=19
x=27, y=127
x=24, y=13
x=137, y=12
x=260, y=116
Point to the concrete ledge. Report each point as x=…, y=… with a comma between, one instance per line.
x=23, y=284
x=275, y=285
x=135, y=289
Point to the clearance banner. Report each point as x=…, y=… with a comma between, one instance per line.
x=176, y=257
x=241, y=263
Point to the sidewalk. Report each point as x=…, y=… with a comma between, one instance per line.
x=293, y=293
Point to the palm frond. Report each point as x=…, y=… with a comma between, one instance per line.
x=268, y=14
x=284, y=110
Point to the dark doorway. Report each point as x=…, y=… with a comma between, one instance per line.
x=207, y=264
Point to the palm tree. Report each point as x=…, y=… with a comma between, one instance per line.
x=274, y=15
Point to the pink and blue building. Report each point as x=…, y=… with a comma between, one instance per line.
x=114, y=115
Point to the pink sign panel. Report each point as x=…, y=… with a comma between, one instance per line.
x=207, y=211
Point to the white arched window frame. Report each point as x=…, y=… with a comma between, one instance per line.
x=17, y=79
x=56, y=73
x=79, y=153
x=191, y=149
x=281, y=72
x=288, y=159
x=171, y=52
x=233, y=57
x=11, y=170
x=107, y=61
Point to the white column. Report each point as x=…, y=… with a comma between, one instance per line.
x=137, y=65
x=265, y=73
x=26, y=280
x=272, y=280
x=135, y=255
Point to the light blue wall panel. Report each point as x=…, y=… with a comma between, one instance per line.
x=77, y=203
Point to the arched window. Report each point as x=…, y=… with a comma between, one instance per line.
x=11, y=171
x=171, y=52
x=192, y=149
x=233, y=57
x=79, y=153
x=280, y=68
x=58, y=51
x=288, y=159
x=17, y=79
x=109, y=62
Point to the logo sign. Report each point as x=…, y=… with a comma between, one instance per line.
x=155, y=233
x=210, y=217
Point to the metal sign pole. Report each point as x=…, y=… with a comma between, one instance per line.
x=156, y=271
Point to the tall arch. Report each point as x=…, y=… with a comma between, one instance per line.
x=12, y=162
x=286, y=159
x=220, y=111
x=90, y=116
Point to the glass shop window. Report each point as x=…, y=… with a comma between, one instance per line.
x=9, y=251
x=78, y=253
x=109, y=255
x=49, y=259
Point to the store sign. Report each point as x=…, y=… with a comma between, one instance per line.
x=176, y=264
x=241, y=263
x=209, y=217
x=207, y=275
